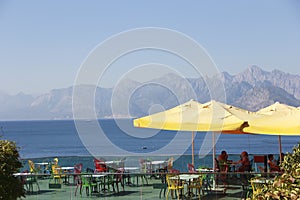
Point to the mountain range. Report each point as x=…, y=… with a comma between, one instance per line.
x=251, y=89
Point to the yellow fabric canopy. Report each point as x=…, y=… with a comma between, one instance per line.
x=276, y=119
x=193, y=116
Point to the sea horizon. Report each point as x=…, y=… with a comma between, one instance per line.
x=47, y=138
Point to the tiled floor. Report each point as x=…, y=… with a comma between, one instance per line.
x=233, y=192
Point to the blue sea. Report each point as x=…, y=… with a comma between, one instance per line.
x=60, y=138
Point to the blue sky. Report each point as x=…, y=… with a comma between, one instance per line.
x=43, y=43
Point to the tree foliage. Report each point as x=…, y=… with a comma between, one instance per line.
x=10, y=186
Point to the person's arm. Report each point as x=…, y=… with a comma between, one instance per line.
x=237, y=162
x=243, y=161
x=273, y=166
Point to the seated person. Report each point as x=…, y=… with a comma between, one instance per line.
x=223, y=161
x=222, y=165
x=272, y=164
x=243, y=165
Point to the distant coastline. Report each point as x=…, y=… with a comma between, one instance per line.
x=251, y=89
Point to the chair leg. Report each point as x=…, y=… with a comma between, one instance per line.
x=80, y=190
x=25, y=185
x=76, y=190
x=38, y=186
x=78, y=186
x=117, y=185
x=160, y=193
x=167, y=194
x=30, y=188
x=199, y=193
x=142, y=179
x=122, y=187
x=87, y=191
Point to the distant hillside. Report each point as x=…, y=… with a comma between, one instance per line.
x=251, y=89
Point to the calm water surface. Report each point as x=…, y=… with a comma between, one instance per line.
x=60, y=138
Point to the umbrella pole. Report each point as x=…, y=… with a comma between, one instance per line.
x=193, y=159
x=214, y=188
x=213, y=158
x=280, y=148
x=214, y=150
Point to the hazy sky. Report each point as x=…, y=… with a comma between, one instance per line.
x=43, y=43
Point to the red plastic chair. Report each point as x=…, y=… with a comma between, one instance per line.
x=77, y=178
x=118, y=178
x=77, y=172
x=191, y=168
x=100, y=166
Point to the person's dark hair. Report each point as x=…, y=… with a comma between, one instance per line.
x=223, y=152
x=270, y=156
x=244, y=153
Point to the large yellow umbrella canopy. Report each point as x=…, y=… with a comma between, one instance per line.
x=193, y=116
x=276, y=119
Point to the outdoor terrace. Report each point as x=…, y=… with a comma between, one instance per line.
x=154, y=189
x=135, y=185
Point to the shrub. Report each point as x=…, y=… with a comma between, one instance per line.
x=10, y=186
x=286, y=186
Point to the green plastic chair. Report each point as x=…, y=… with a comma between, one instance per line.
x=88, y=183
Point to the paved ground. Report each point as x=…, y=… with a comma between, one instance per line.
x=233, y=192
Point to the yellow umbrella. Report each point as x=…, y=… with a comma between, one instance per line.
x=193, y=116
x=277, y=119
